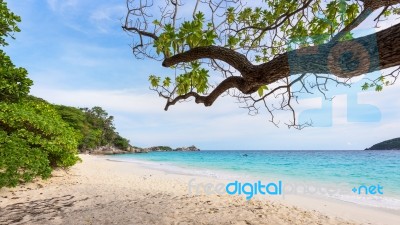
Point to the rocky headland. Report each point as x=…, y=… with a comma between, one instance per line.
x=392, y=144
x=111, y=150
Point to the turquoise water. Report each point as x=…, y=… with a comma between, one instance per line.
x=353, y=168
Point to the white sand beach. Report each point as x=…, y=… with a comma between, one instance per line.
x=100, y=191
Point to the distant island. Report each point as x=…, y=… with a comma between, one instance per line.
x=392, y=144
x=111, y=150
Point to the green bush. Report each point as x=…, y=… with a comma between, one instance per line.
x=95, y=126
x=121, y=143
x=33, y=136
x=33, y=140
x=14, y=83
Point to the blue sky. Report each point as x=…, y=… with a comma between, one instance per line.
x=77, y=54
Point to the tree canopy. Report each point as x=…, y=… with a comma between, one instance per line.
x=33, y=137
x=8, y=23
x=266, y=52
x=392, y=144
x=94, y=126
x=14, y=83
x=33, y=140
x=36, y=136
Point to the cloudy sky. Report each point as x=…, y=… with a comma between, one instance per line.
x=77, y=54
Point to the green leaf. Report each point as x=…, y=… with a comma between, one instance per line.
x=365, y=86
x=156, y=22
x=154, y=80
x=33, y=139
x=167, y=82
x=260, y=91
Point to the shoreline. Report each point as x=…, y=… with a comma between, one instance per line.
x=387, y=202
x=101, y=191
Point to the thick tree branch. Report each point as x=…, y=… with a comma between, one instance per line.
x=370, y=53
x=369, y=7
x=376, y=4
x=367, y=54
x=233, y=58
x=262, y=34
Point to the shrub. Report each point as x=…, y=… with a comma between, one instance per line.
x=33, y=140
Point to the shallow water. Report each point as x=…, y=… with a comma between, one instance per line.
x=340, y=171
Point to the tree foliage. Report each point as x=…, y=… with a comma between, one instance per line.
x=33, y=137
x=36, y=136
x=94, y=126
x=392, y=144
x=260, y=48
x=8, y=23
x=33, y=140
x=14, y=83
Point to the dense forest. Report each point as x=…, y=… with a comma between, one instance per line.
x=94, y=127
x=36, y=136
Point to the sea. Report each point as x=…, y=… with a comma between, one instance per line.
x=351, y=176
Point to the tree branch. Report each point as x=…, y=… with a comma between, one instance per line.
x=372, y=52
x=323, y=60
x=376, y=4
x=355, y=23
x=140, y=32
x=233, y=58
x=230, y=82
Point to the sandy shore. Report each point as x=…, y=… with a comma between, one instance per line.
x=100, y=191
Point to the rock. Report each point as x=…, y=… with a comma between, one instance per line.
x=159, y=149
x=137, y=150
x=187, y=149
x=107, y=150
x=111, y=150
x=168, y=149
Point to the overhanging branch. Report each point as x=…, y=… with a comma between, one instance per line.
x=385, y=42
x=233, y=58
x=230, y=82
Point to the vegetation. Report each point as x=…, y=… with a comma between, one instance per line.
x=14, y=83
x=33, y=140
x=35, y=136
x=393, y=144
x=160, y=148
x=94, y=126
x=268, y=53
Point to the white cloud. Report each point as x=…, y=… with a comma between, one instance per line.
x=139, y=115
x=77, y=70
x=107, y=17
x=61, y=5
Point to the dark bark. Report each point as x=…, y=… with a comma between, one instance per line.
x=235, y=59
x=376, y=4
x=344, y=59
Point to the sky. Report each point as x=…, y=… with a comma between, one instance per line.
x=77, y=54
